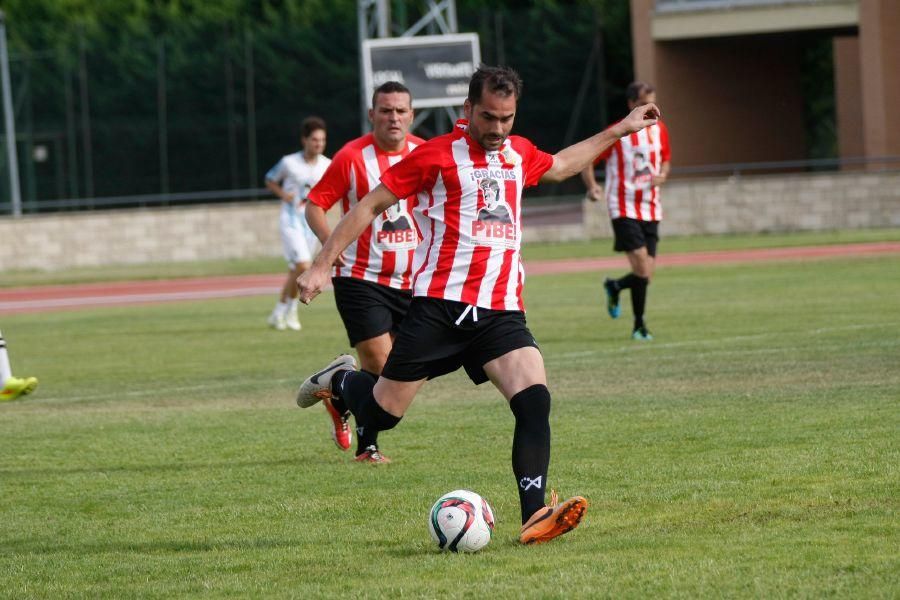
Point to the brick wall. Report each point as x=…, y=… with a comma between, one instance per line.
x=773, y=203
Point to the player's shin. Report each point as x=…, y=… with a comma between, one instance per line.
x=366, y=437
x=531, y=446
x=355, y=390
x=639, y=300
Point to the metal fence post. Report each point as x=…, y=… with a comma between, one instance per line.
x=14, y=189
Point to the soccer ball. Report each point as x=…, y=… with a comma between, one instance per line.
x=461, y=521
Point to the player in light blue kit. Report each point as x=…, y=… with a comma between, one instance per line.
x=291, y=179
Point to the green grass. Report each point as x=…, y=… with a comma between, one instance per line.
x=543, y=251
x=751, y=450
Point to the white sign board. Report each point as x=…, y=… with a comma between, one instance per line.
x=435, y=68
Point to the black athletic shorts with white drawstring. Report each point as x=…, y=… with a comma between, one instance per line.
x=440, y=336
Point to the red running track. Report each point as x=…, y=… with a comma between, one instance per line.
x=70, y=297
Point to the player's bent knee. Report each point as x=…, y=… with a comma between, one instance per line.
x=532, y=404
x=373, y=352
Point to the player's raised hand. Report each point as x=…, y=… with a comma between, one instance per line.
x=311, y=282
x=642, y=116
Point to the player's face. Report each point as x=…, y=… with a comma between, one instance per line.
x=391, y=119
x=314, y=144
x=491, y=119
x=645, y=98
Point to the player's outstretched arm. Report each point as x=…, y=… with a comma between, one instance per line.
x=350, y=228
x=573, y=160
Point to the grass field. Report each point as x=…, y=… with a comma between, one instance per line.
x=751, y=450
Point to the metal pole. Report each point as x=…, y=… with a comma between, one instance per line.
x=162, y=115
x=9, y=120
x=362, y=7
x=71, y=136
x=229, y=111
x=384, y=18
x=251, y=107
x=87, y=142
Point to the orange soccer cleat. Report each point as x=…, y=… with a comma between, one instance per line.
x=553, y=520
x=372, y=455
x=340, y=428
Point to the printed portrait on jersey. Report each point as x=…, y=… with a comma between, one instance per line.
x=395, y=230
x=493, y=225
x=643, y=171
x=304, y=197
x=495, y=208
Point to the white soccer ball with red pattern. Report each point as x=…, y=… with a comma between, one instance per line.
x=461, y=521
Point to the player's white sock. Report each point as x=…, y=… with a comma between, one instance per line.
x=293, y=305
x=281, y=308
x=5, y=370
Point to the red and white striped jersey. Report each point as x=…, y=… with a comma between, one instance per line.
x=630, y=163
x=469, y=214
x=383, y=253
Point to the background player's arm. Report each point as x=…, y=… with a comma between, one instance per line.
x=350, y=228
x=573, y=160
x=594, y=189
x=663, y=174
x=279, y=191
x=318, y=222
x=315, y=217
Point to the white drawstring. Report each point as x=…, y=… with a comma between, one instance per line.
x=469, y=308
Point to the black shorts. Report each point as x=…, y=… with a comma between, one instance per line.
x=632, y=234
x=438, y=338
x=369, y=309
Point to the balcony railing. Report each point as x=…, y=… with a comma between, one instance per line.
x=663, y=6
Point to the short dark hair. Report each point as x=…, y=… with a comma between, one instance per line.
x=391, y=87
x=311, y=125
x=503, y=81
x=636, y=89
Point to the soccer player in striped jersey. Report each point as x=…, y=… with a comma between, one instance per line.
x=371, y=278
x=291, y=179
x=467, y=308
x=12, y=387
x=636, y=166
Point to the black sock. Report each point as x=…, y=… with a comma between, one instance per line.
x=531, y=446
x=639, y=300
x=337, y=385
x=626, y=282
x=366, y=437
x=355, y=390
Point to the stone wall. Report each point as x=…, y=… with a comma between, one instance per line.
x=782, y=203
x=160, y=235
x=771, y=203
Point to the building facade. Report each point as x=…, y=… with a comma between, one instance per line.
x=729, y=74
